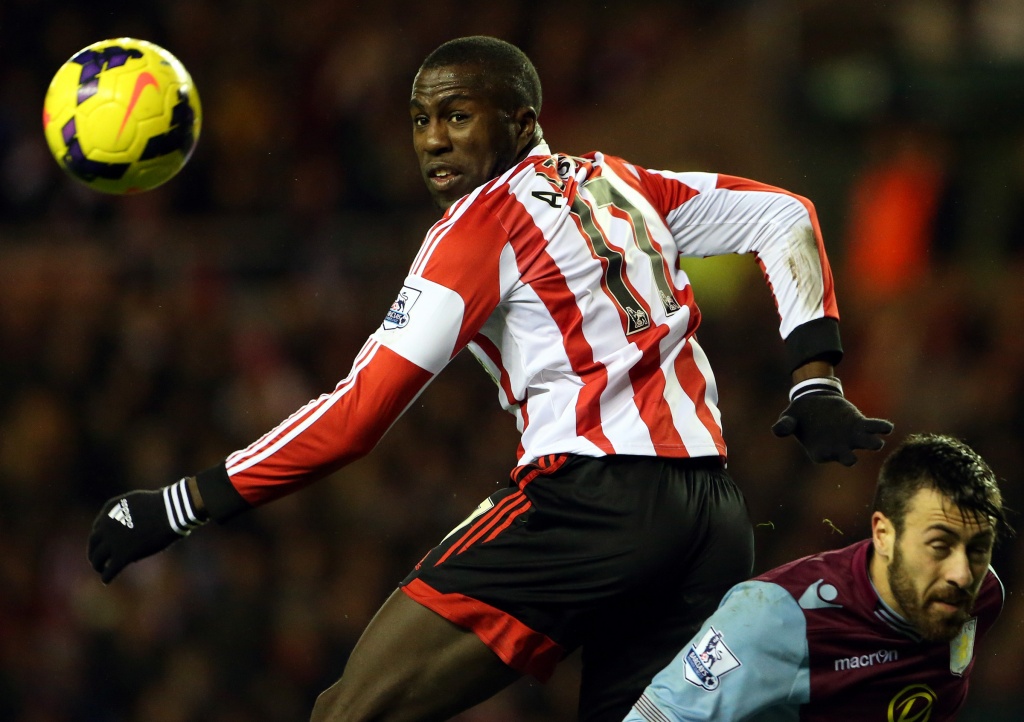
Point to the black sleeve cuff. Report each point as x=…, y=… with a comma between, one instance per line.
x=816, y=340
x=221, y=499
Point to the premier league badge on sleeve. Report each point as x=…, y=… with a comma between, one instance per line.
x=708, y=660
x=398, y=314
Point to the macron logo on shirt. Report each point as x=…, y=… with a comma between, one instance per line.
x=882, y=656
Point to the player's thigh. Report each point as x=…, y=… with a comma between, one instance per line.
x=634, y=638
x=412, y=664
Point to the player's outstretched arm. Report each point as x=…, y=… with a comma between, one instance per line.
x=826, y=424
x=749, y=661
x=135, y=525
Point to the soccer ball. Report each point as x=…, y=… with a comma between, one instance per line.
x=122, y=116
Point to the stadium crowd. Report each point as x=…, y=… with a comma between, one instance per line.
x=145, y=336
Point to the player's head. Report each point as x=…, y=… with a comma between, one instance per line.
x=474, y=108
x=937, y=513
x=948, y=466
x=507, y=70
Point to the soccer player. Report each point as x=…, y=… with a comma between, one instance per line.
x=885, y=629
x=620, y=529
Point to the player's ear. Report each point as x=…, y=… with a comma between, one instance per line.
x=883, y=535
x=526, y=124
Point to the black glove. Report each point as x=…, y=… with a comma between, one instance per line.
x=827, y=425
x=134, y=525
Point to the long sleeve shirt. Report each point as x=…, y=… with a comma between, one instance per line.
x=562, y=277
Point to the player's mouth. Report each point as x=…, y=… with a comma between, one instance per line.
x=951, y=605
x=442, y=178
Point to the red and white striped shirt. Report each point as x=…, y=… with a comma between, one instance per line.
x=562, y=276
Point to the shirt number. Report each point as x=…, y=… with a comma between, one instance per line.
x=608, y=199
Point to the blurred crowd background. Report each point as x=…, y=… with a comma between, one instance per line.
x=142, y=338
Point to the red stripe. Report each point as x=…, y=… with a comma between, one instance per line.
x=768, y=282
x=484, y=518
x=505, y=383
x=652, y=191
x=545, y=278
x=666, y=194
x=372, y=398
x=523, y=649
x=479, y=235
x=285, y=427
x=648, y=381
x=549, y=464
x=525, y=506
x=494, y=354
x=498, y=522
x=650, y=396
x=695, y=386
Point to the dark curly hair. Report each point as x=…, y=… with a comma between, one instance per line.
x=950, y=467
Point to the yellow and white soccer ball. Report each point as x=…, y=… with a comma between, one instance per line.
x=122, y=116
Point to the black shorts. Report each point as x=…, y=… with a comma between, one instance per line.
x=623, y=556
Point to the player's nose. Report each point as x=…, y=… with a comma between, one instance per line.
x=957, y=570
x=434, y=137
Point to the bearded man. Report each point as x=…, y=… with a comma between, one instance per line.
x=883, y=629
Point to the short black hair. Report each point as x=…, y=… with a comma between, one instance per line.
x=501, y=61
x=947, y=465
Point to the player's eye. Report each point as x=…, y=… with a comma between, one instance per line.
x=979, y=553
x=420, y=121
x=458, y=117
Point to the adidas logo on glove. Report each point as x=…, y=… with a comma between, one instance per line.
x=120, y=513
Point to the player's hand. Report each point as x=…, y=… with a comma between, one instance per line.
x=828, y=426
x=135, y=525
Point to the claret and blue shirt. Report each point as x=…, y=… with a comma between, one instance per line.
x=812, y=641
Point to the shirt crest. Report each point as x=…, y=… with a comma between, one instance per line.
x=961, y=649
